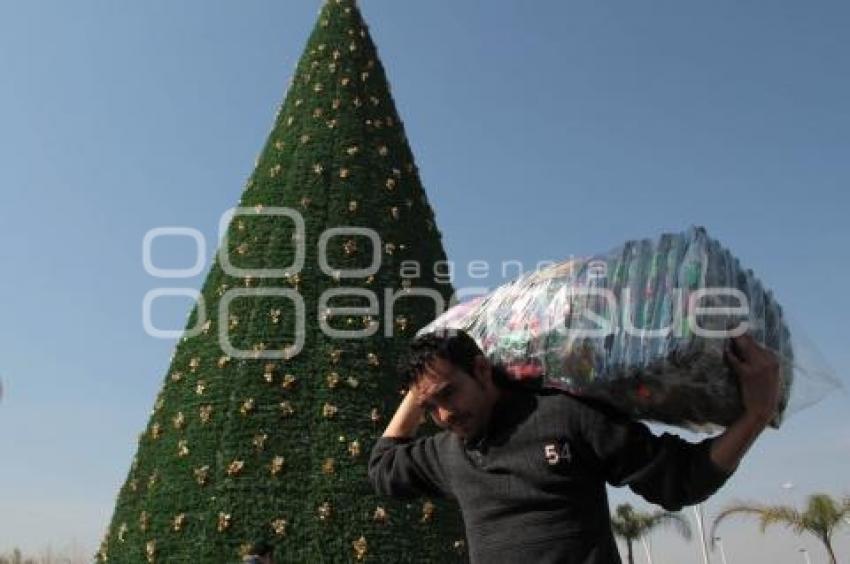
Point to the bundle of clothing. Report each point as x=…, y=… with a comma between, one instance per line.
x=642, y=327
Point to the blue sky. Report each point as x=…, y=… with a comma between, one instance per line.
x=540, y=129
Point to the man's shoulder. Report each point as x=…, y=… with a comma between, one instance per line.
x=446, y=441
x=564, y=405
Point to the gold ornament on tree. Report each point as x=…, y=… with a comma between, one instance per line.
x=360, y=548
x=286, y=409
x=178, y=522
x=325, y=511
x=247, y=406
x=235, y=467
x=329, y=466
x=427, y=511
x=289, y=382
x=380, y=515
x=182, y=448
x=150, y=550
x=279, y=527
x=122, y=532
x=268, y=372
x=179, y=420
x=205, y=413
x=274, y=314
x=224, y=520
x=332, y=380
x=144, y=520
x=259, y=441
x=202, y=475
x=276, y=466
x=350, y=247
x=329, y=411
x=354, y=448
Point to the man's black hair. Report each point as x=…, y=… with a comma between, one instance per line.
x=452, y=345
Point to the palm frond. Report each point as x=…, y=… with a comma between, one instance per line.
x=676, y=520
x=734, y=509
x=781, y=515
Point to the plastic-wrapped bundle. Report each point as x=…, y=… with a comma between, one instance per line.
x=642, y=328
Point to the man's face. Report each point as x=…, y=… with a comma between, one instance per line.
x=457, y=401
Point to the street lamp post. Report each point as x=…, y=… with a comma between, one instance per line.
x=719, y=542
x=701, y=529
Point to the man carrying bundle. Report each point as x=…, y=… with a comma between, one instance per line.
x=528, y=468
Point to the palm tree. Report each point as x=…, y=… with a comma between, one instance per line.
x=822, y=516
x=631, y=525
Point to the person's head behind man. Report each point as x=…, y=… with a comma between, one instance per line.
x=453, y=380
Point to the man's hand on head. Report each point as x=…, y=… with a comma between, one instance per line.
x=757, y=369
x=407, y=417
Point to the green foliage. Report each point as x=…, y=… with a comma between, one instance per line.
x=631, y=525
x=238, y=449
x=821, y=517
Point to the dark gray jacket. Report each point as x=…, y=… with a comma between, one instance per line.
x=532, y=488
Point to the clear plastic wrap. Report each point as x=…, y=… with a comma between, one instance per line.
x=642, y=328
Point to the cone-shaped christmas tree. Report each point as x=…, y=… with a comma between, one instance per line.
x=276, y=393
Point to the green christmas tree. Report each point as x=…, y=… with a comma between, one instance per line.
x=275, y=394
